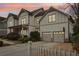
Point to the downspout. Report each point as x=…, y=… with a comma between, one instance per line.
x=68, y=30
x=28, y=25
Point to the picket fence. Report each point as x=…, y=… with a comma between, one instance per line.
x=46, y=51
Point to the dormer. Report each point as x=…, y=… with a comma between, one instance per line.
x=23, y=17
x=12, y=20
x=35, y=12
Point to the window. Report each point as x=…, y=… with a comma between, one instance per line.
x=10, y=23
x=59, y=33
x=52, y=18
x=37, y=20
x=23, y=21
x=16, y=22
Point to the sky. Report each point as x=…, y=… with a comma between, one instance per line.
x=6, y=8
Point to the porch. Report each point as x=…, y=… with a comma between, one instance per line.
x=21, y=29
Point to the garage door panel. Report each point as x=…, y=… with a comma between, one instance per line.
x=59, y=37
x=53, y=36
x=47, y=36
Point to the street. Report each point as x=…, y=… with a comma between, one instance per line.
x=15, y=50
x=21, y=49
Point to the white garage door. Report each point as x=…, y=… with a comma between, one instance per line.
x=53, y=36
x=58, y=36
x=47, y=36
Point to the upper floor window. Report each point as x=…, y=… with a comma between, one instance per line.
x=10, y=23
x=23, y=21
x=52, y=18
x=16, y=22
x=37, y=20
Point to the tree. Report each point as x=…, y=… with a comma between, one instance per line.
x=75, y=7
x=75, y=37
x=76, y=10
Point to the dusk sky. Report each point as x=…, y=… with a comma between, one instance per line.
x=6, y=8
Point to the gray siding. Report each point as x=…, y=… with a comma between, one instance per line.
x=31, y=24
x=15, y=22
x=59, y=18
x=31, y=28
x=31, y=21
x=10, y=19
x=70, y=27
x=23, y=15
x=3, y=28
x=61, y=21
x=37, y=24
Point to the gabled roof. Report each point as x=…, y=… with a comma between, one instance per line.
x=2, y=19
x=71, y=19
x=40, y=14
x=30, y=13
x=14, y=16
x=34, y=11
x=23, y=10
x=54, y=9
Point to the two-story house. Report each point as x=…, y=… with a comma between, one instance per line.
x=56, y=26
x=23, y=23
x=52, y=24
x=3, y=26
x=12, y=22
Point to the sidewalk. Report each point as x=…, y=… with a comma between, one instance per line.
x=6, y=41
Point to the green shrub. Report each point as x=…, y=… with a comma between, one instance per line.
x=35, y=36
x=1, y=43
x=75, y=42
x=1, y=36
x=75, y=38
x=4, y=37
x=13, y=36
x=24, y=39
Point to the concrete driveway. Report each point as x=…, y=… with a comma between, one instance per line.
x=21, y=49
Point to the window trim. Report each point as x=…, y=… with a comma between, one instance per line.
x=59, y=33
x=51, y=17
x=23, y=21
x=10, y=23
x=37, y=21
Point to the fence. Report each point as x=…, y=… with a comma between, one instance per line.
x=45, y=51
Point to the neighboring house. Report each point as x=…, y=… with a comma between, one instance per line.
x=12, y=22
x=52, y=24
x=3, y=26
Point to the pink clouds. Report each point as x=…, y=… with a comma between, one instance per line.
x=29, y=6
x=7, y=7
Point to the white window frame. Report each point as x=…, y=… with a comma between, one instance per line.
x=60, y=33
x=23, y=20
x=37, y=20
x=15, y=22
x=52, y=18
x=10, y=23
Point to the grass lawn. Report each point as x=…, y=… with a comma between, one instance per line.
x=66, y=46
